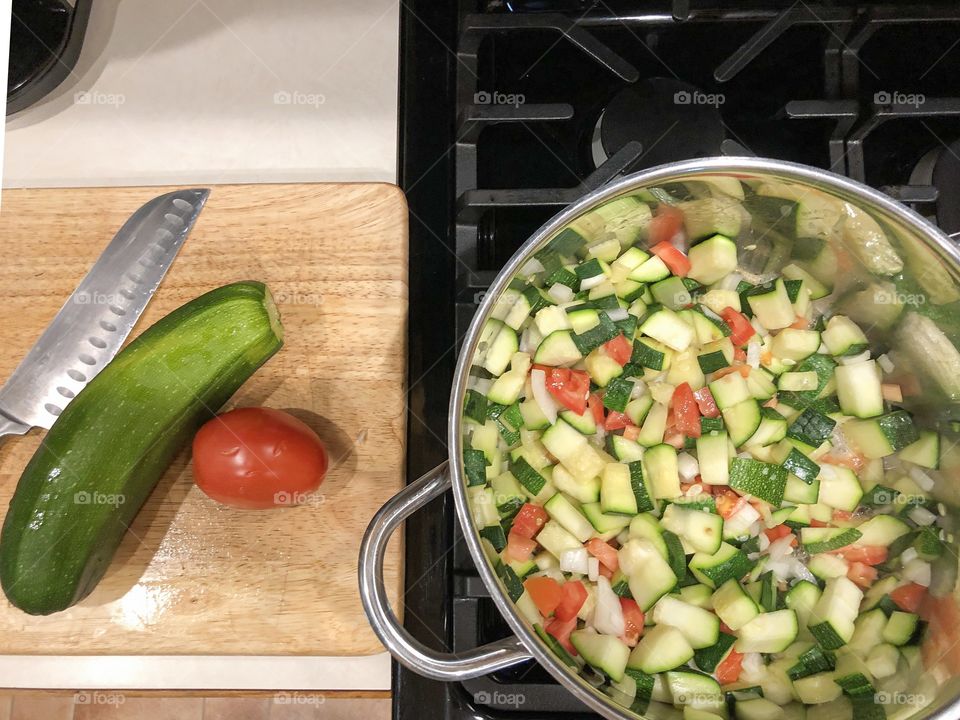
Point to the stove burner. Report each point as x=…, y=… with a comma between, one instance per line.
x=946, y=178
x=673, y=120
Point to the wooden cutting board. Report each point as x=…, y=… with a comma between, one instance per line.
x=192, y=576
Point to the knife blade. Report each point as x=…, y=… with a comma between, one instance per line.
x=96, y=319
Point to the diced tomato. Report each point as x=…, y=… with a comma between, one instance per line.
x=817, y=523
x=632, y=621
x=771, y=403
x=775, y=533
x=862, y=575
x=574, y=596
x=664, y=226
x=520, y=548
x=891, y=392
x=596, y=407
x=529, y=520
x=740, y=327
x=545, y=593
x=909, y=597
x=619, y=349
x=744, y=370
x=766, y=357
x=866, y=554
x=561, y=629
x=605, y=571
x=706, y=403
x=728, y=671
x=842, y=516
x=686, y=413
x=801, y=323
x=726, y=628
x=728, y=503
x=739, y=355
x=678, y=263
x=849, y=459
x=631, y=432
x=603, y=552
x=569, y=387
x=617, y=421
x=674, y=437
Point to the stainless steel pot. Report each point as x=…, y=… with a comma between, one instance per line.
x=931, y=249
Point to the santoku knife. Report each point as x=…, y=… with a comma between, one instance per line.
x=95, y=320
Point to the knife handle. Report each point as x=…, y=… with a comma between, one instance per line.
x=11, y=427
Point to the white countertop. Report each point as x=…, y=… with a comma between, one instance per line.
x=208, y=91
x=202, y=92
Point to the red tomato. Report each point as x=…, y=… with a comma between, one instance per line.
x=631, y=432
x=909, y=597
x=674, y=259
x=706, y=403
x=741, y=329
x=632, y=621
x=775, y=533
x=619, y=349
x=596, y=407
x=520, y=548
x=862, y=575
x=686, y=413
x=545, y=593
x=674, y=437
x=617, y=421
x=841, y=515
x=728, y=671
x=603, y=552
x=739, y=355
x=561, y=629
x=574, y=596
x=569, y=387
x=667, y=222
x=258, y=458
x=867, y=554
x=528, y=521
x=728, y=503
x=817, y=523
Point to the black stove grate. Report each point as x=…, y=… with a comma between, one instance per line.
x=511, y=110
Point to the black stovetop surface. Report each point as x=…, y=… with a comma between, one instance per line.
x=500, y=102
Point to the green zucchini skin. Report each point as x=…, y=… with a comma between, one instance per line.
x=117, y=437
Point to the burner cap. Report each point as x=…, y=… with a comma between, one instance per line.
x=673, y=120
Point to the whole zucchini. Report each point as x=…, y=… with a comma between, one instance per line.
x=105, y=453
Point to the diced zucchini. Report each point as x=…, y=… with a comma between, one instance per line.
x=725, y=564
x=714, y=457
x=661, y=649
x=564, y=512
x=702, y=531
x=771, y=305
x=858, y=389
x=881, y=436
x=733, y=605
x=842, y=337
x=604, y=652
x=832, y=619
x=660, y=465
x=924, y=452
x=700, y=627
x=712, y=259
x=665, y=325
x=769, y=632
x=557, y=348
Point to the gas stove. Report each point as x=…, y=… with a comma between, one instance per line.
x=512, y=109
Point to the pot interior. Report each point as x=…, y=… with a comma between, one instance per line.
x=864, y=256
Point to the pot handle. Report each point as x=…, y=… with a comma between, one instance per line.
x=373, y=594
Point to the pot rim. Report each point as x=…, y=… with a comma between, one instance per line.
x=833, y=183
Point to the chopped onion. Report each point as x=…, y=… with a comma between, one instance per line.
x=560, y=293
x=764, y=542
x=782, y=569
x=921, y=478
x=592, y=282
x=608, y=613
x=781, y=548
x=545, y=561
x=854, y=359
x=823, y=349
x=532, y=267
x=753, y=354
x=710, y=313
x=618, y=314
x=575, y=561
x=742, y=519
x=917, y=571
x=687, y=466
x=538, y=383
x=922, y=516
x=593, y=569
x=761, y=330
x=885, y=363
x=481, y=385
x=623, y=537
x=752, y=668
x=639, y=388
x=908, y=555
x=729, y=282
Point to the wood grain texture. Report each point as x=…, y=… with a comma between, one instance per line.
x=192, y=576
